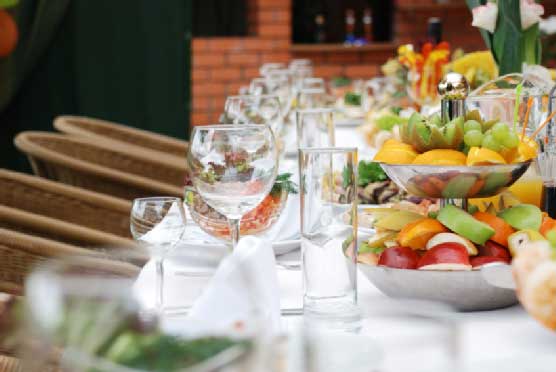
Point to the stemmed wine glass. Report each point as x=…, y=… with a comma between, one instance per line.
x=233, y=168
x=159, y=223
x=255, y=109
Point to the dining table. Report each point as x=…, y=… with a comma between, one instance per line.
x=505, y=339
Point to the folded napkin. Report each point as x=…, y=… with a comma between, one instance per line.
x=243, y=288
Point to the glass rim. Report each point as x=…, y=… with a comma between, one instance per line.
x=157, y=198
x=238, y=96
x=316, y=110
x=327, y=150
x=231, y=126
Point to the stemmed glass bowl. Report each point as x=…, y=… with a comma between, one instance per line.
x=233, y=168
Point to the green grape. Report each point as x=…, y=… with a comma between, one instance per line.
x=490, y=143
x=473, y=138
x=472, y=125
x=511, y=140
x=500, y=131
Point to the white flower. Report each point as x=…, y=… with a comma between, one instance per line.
x=548, y=25
x=485, y=16
x=530, y=13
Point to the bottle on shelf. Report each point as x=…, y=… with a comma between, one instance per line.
x=368, y=25
x=350, y=27
x=320, y=28
x=434, y=30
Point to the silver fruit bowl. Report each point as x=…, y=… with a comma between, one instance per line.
x=489, y=288
x=455, y=182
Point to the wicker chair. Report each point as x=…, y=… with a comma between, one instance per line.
x=105, y=130
x=66, y=232
x=19, y=253
x=9, y=364
x=119, y=171
x=70, y=204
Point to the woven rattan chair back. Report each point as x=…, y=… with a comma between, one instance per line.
x=67, y=203
x=83, y=162
x=106, y=130
x=19, y=253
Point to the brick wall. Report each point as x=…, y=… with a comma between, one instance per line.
x=220, y=66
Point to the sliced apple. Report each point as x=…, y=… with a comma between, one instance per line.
x=445, y=256
x=452, y=238
x=519, y=240
x=478, y=262
x=493, y=249
x=368, y=258
x=399, y=258
x=523, y=217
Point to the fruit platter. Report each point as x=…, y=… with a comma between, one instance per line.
x=453, y=252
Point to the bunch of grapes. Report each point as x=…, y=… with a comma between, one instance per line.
x=496, y=137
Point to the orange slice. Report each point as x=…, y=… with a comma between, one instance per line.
x=441, y=157
x=416, y=234
x=502, y=229
x=483, y=156
x=395, y=155
x=526, y=150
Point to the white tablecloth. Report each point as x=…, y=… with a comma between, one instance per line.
x=508, y=337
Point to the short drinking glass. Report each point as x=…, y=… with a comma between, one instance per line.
x=328, y=195
x=233, y=168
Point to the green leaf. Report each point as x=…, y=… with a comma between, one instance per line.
x=370, y=172
x=352, y=99
x=507, y=40
x=387, y=122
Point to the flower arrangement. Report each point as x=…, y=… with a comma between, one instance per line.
x=510, y=29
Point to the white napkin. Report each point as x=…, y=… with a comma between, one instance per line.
x=246, y=281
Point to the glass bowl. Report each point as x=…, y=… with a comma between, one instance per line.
x=455, y=182
x=255, y=222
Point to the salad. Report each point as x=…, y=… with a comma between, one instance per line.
x=254, y=222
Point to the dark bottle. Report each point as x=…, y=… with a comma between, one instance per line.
x=350, y=26
x=548, y=201
x=320, y=28
x=434, y=30
x=368, y=25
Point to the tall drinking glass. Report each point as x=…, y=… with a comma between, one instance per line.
x=158, y=223
x=329, y=236
x=311, y=98
x=315, y=128
x=233, y=168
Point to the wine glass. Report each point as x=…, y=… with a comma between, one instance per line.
x=233, y=168
x=269, y=67
x=255, y=109
x=159, y=223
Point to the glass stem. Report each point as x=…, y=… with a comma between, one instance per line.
x=159, y=262
x=234, y=231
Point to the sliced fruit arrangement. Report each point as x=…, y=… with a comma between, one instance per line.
x=465, y=140
x=454, y=239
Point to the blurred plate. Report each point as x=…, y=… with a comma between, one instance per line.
x=279, y=248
